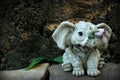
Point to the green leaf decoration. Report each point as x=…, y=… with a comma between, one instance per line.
x=91, y=34
x=40, y=59
x=58, y=59
x=35, y=62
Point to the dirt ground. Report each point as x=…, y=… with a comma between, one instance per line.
x=26, y=27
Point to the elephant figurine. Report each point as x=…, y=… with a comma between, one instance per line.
x=82, y=43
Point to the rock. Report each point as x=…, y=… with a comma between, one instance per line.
x=111, y=71
x=39, y=72
x=90, y=2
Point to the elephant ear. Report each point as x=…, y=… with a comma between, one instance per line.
x=106, y=31
x=62, y=34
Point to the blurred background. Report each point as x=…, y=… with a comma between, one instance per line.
x=26, y=27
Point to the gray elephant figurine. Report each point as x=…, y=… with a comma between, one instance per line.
x=82, y=43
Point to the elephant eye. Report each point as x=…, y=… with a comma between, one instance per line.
x=80, y=33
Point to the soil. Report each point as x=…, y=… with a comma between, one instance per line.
x=26, y=27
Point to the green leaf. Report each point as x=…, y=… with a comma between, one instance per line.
x=91, y=34
x=35, y=62
x=58, y=59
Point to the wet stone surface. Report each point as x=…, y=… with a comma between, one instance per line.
x=39, y=72
x=111, y=71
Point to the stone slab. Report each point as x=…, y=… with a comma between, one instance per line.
x=37, y=73
x=110, y=71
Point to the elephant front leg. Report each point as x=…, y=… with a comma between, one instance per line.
x=72, y=61
x=77, y=64
x=78, y=69
x=92, y=63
